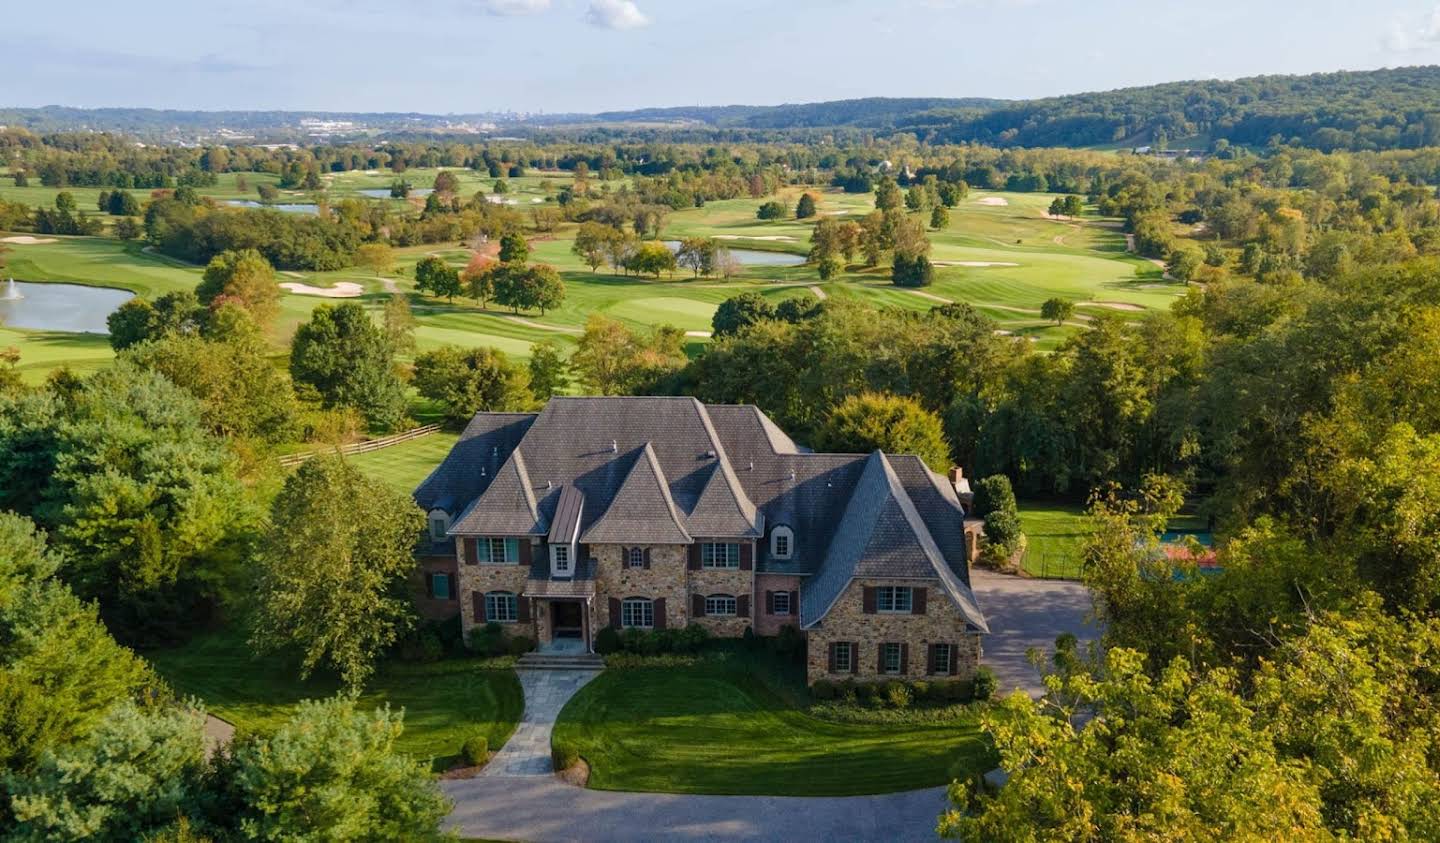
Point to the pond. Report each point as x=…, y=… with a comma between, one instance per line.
x=384, y=192
x=289, y=208
x=58, y=307
x=753, y=257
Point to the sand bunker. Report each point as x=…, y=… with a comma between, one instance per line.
x=341, y=290
x=27, y=240
x=755, y=237
x=700, y=334
x=992, y=200
x=974, y=263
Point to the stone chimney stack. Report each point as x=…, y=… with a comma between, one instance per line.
x=962, y=486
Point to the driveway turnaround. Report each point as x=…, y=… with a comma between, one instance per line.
x=546, y=810
x=1024, y=613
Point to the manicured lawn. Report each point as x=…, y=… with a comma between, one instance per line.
x=715, y=728
x=445, y=702
x=1056, y=532
x=403, y=466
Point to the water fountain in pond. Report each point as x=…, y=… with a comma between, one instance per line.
x=11, y=292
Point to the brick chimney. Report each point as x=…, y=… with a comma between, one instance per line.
x=962, y=486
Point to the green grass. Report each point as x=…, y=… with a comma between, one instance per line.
x=403, y=466
x=715, y=728
x=1055, y=532
x=444, y=702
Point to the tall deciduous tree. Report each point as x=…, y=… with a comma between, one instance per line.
x=891, y=423
x=467, y=381
x=349, y=362
x=340, y=615
x=243, y=276
x=1057, y=310
x=549, y=371
x=377, y=256
x=433, y=275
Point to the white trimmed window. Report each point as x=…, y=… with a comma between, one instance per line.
x=942, y=659
x=844, y=657
x=782, y=543
x=719, y=555
x=501, y=607
x=560, y=558
x=440, y=586
x=498, y=551
x=439, y=523
x=890, y=657
x=893, y=598
x=722, y=605
x=780, y=602
x=637, y=612
x=637, y=557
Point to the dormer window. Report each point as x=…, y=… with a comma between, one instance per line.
x=782, y=542
x=439, y=523
x=560, y=559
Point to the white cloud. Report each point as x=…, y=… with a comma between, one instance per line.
x=615, y=14
x=507, y=8
x=1406, y=37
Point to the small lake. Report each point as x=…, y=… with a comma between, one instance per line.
x=59, y=307
x=753, y=257
x=384, y=192
x=289, y=208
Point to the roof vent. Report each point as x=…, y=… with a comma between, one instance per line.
x=752, y=465
x=549, y=485
x=709, y=455
x=494, y=450
x=482, y=471
x=792, y=475
x=614, y=446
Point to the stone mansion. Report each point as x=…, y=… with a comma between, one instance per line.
x=661, y=512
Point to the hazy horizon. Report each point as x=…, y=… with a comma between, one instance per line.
x=470, y=56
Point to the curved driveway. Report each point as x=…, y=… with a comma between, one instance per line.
x=517, y=797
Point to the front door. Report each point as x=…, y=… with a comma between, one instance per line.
x=566, y=620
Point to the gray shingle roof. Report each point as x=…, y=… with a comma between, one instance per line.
x=881, y=535
x=506, y=507
x=641, y=510
x=668, y=469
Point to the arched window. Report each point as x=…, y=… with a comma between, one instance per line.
x=782, y=542
x=720, y=605
x=637, y=612
x=501, y=607
x=637, y=557
x=439, y=523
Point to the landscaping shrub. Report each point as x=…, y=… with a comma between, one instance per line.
x=650, y=644
x=823, y=689
x=564, y=756
x=431, y=650
x=921, y=690
x=692, y=638
x=748, y=638
x=956, y=690
x=475, y=749
x=897, y=694
x=607, y=641
x=790, y=643
x=984, y=684
x=630, y=640
x=519, y=645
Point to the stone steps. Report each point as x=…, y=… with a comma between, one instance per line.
x=560, y=661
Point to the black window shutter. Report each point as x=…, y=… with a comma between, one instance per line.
x=854, y=656
x=477, y=602
x=614, y=613
x=904, y=657
x=522, y=609
x=930, y=658
x=831, y=667
x=867, y=599
x=624, y=557
x=770, y=603
x=695, y=556
x=472, y=552
x=747, y=555
x=646, y=557
x=953, y=654
x=429, y=584
x=917, y=600
x=880, y=657
x=795, y=603
x=659, y=608
x=742, y=605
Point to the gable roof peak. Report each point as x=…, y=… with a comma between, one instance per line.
x=642, y=509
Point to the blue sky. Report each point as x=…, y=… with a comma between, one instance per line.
x=592, y=55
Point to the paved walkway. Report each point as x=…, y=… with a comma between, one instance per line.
x=1024, y=613
x=527, y=753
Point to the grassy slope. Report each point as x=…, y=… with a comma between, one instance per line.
x=709, y=729
x=403, y=466
x=1055, y=532
x=445, y=702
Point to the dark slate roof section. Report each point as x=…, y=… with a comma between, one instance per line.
x=506, y=508
x=723, y=508
x=641, y=510
x=881, y=535
x=939, y=508
x=471, y=464
x=565, y=524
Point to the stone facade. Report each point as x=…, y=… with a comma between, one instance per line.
x=486, y=578
x=731, y=581
x=848, y=621
x=665, y=578
x=769, y=624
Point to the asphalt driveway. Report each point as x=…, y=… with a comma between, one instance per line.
x=1024, y=613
